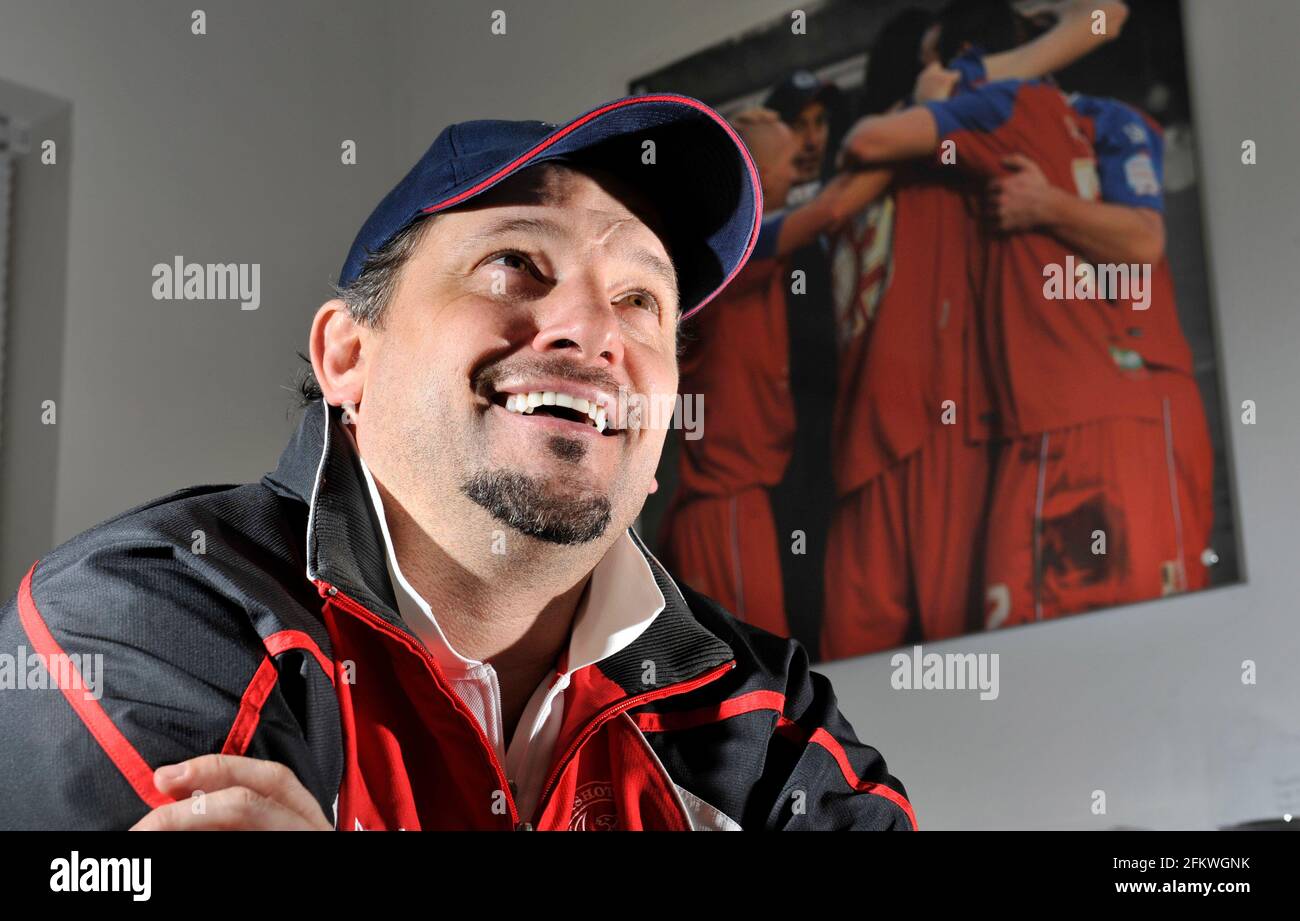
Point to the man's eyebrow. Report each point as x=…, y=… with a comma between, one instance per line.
x=651, y=263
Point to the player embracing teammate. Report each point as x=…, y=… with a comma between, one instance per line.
x=1012, y=444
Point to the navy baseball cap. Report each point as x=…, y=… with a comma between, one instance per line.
x=793, y=94
x=703, y=181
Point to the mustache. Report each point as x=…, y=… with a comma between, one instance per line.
x=488, y=377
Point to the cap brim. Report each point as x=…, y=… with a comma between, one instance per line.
x=698, y=174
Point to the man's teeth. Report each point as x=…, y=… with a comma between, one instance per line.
x=525, y=403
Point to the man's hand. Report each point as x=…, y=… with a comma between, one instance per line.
x=1022, y=200
x=934, y=83
x=233, y=793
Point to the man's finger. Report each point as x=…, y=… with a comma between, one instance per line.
x=211, y=773
x=1017, y=162
x=231, y=809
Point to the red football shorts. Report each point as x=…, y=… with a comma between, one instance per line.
x=904, y=550
x=1104, y=513
x=727, y=548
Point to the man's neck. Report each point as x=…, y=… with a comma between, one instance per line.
x=518, y=623
x=510, y=610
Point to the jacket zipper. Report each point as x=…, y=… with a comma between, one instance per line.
x=614, y=710
x=370, y=617
x=357, y=609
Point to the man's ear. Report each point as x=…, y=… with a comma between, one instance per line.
x=336, y=354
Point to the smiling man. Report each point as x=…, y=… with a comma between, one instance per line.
x=435, y=614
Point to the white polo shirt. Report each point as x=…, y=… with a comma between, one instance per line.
x=620, y=602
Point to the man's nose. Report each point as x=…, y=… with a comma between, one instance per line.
x=577, y=317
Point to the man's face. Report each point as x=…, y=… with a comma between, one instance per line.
x=812, y=128
x=778, y=166
x=551, y=285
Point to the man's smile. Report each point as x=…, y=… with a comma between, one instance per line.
x=559, y=405
x=553, y=418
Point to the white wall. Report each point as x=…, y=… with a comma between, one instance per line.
x=220, y=148
x=225, y=148
x=34, y=331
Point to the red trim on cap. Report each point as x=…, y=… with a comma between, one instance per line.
x=755, y=183
x=121, y=752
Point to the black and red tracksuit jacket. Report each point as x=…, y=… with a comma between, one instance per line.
x=259, y=620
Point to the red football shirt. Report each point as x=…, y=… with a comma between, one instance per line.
x=1052, y=361
x=738, y=362
x=902, y=289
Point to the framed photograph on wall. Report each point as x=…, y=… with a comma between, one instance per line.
x=969, y=379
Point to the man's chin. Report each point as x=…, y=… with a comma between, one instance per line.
x=556, y=513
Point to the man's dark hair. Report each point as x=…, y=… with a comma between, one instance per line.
x=894, y=61
x=991, y=25
x=368, y=295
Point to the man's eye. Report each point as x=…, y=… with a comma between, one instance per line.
x=511, y=260
x=641, y=301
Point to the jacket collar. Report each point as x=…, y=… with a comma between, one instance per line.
x=345, y=550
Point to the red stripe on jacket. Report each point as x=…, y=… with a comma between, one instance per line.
x=785, y=727
x=285, y=640
x=250, y=708
x=745, y=703
x=121, y=752
x=263, y=683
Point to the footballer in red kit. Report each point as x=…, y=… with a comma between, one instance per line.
x=914, y=415
x=1086, y=507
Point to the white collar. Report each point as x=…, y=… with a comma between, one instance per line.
x=621, y=601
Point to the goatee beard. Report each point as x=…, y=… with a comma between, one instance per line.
x=523, y=503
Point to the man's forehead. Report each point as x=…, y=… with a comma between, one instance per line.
x=549, y=199
x=550, y=221
x=563, y=220
x=560, y=185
